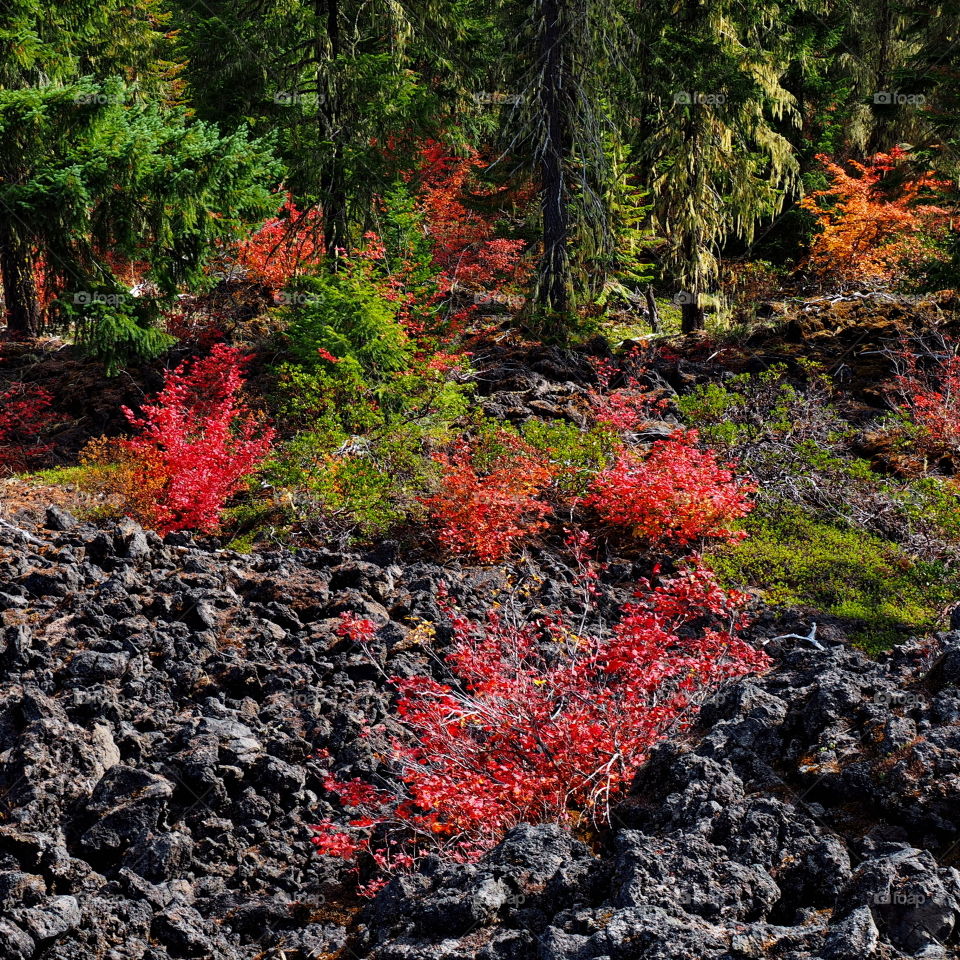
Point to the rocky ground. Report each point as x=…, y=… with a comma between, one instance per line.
x=163, y=702
x=160, y=703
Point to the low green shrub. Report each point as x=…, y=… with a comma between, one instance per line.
x=577, y=454
x=802, y=454
x=366, y=485
x=345, y=316
x=59, y=476
x=362, y=449
x=751, y=416
x=844, y=571
x=932, y=507
x=253, y=522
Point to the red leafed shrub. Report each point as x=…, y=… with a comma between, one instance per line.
x=283, y=246
x=24, y=415
x=200, y=328
x=675, y=494
x=623, y=408
x=465, y=246
x=482, y=513
x=539, y=724
x=930, y=395
x=201, y=439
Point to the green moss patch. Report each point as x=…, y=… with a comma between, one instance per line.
x=798, y=561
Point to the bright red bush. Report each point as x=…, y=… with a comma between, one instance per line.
x=25, y=413
x=201, y=439
x=539, y=724
x=930, y=395
x=484, y=513
x=622, y=408
x=465, y=246
x=674, y=494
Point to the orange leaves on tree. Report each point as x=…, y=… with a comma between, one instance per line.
x=868, y=234
x=465, y=246
x=283, y=247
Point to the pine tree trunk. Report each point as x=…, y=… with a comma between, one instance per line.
x=335, y=232
x=554, y=291
x=333, y=190
x=653, y=314
x=882, y=136
x=19, y=284
x=692, y=318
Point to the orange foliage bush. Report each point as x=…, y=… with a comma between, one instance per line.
x=283, y=247
x=465, y=246
x=129, y=482
x=868, y=236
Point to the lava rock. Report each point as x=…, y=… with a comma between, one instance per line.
x=164, y=705
x=51, y=920
x=126, y=805
x=90, y=665
x=56, y=518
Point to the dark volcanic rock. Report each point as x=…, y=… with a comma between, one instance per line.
x=162, y=704
x=59, y=519
x=125, y=806
x=791, y=828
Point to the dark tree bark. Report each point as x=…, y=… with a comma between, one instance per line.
x=333, y=188
x=653, y=314
x=692, y=318
x=17, y=271
x=336, y=238
x=554, y=291
x=691, y=311
x=883, y=135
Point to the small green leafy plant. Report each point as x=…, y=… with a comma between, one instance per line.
x=362, y=447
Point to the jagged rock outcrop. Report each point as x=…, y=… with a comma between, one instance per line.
x=161, y=704
x=816, y=814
